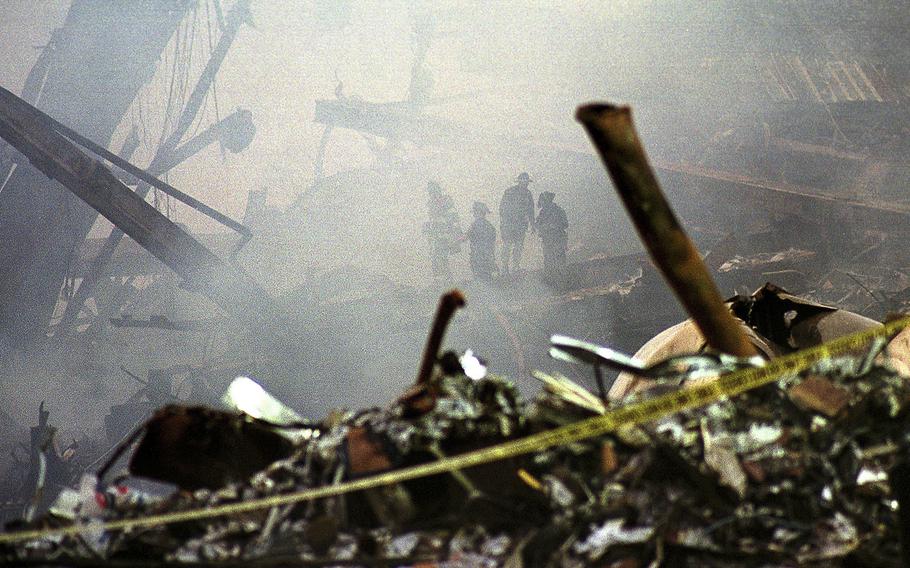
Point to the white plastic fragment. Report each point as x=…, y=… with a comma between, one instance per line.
x=609, y=534
x=473, y=367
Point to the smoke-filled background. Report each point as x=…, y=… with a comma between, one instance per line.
x=468, y=94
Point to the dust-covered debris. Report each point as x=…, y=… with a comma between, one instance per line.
x=771, y=478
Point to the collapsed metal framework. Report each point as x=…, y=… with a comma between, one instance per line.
x=26, y=129
x=41, y=226
x=169, y=155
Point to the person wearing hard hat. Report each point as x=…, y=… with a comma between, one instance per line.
x=482, y=236
x=552, y=226
x=442, y=229
x=516, y=214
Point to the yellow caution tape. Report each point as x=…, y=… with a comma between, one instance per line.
x=727, y=385
x=530, y=480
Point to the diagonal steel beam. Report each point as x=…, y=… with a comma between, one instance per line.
x=163, y=160
x=229, y=287
x=100, y=266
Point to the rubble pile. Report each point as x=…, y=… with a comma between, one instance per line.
x=797, y=472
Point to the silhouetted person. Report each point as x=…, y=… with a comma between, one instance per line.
x=552, y=226
x=516, y=213
x=482, y=236
x=442, y=229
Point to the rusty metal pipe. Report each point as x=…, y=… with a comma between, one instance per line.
x=448, y=305
x=613, y=134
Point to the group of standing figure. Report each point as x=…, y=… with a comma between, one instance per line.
x=516, y=217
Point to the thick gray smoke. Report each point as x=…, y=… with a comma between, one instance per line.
x=468, y=95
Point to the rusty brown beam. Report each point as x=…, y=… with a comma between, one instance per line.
x=448, y=305
x=613, y=134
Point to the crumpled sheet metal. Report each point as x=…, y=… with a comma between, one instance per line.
x=766, y=261
x=761, y=480
x=898, y=352
x=775, y=321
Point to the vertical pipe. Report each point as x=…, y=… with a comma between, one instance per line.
x=448, y=305
x=613, y=134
